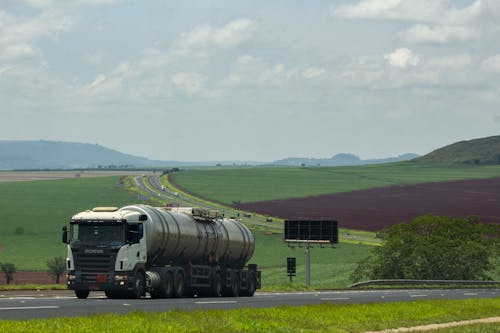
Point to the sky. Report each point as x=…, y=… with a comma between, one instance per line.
x=250, y=80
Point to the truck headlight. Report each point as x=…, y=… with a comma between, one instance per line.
x=121, y=277
x=71, y=277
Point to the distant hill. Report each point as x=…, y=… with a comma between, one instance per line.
x=16, y=155
x=477, y=151
x=340, y=160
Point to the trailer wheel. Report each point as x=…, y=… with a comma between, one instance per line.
x=82, y=293
x=178, y=284
x=216, y=285
x=169, y=285
x=235, y=286
x=251, y=286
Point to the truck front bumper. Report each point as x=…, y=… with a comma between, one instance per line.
x=100, y=281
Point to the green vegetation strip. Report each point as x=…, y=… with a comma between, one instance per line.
x=312, y=318
x=33, y=286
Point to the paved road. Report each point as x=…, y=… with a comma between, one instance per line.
x=18, y=305
x=156, y=189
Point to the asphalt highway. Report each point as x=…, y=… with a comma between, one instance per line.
x=22, y=305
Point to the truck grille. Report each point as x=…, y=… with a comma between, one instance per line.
x=90, y=265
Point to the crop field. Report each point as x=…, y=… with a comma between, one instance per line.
x=376, y=209
x=244, y=185
x=311, y=318
x=17, y=176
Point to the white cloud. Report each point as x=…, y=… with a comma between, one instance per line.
x=408, y=10
x=19, y=33
x=234, y=33
x=402, y=58
x=230, y=35
x=313, y=72
x=38, y=3
x=452, y=63
x=189, y=83
x=422, y=33
x=98, y=2
x=492, y=64
x=96, y=57
x=98, y=80
x=14, y=51
x=438, y=21
x=5, y=69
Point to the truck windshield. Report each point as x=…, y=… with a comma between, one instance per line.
x=98, y=233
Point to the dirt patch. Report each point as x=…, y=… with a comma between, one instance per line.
x=26, y=277
x=376, y=209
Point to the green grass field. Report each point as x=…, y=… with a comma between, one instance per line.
x=313, y=318
x=41, y=208
x=330, y=267
x=229, y=185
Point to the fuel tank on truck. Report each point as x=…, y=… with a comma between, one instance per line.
x=185, y=235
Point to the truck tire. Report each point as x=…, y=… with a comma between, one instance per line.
x=169, y=285
x=139, y=285
x=82, y=293
x=216, y=285
x=113, y=294
x=251, y=287
x=178, y=284
x=235, y=286
x=165, y=289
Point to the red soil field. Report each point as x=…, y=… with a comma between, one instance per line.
x=376, y=209
x=25, y=277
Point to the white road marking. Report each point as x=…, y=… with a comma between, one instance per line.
x=334, y=298
x=217, y=302
x=418, y=295
x=470, y=294
x=31, y=307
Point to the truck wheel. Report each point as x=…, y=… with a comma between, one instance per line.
x=169, y=285
x=178, y=284
x=82, y=293
x=112, y=294
x=139, y=286
x=251, y=287
x=235, y=286
x=216, y=286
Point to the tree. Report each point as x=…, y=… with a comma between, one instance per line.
x=433, y=247
x=9, y=269
x=56, y=267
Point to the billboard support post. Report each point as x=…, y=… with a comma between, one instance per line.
x=308, y=264
x=308, y=232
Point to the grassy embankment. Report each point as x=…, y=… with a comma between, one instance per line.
x=312, y=318
x=230, y=185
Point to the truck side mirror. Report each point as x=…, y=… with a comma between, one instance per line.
x=65, y=235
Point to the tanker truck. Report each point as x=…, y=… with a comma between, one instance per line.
x=164, y=251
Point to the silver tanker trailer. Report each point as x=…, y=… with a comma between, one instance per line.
x=167, y=252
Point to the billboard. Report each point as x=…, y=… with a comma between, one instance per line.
x=311, y=231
